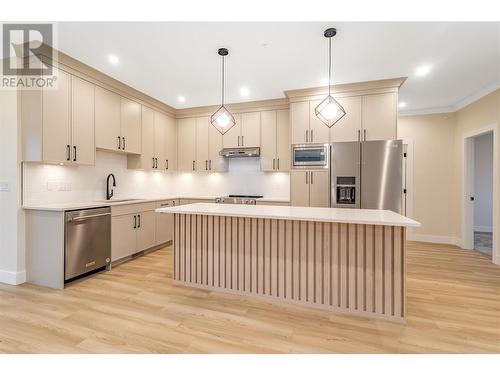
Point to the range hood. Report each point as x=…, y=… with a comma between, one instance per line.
x=240, y=152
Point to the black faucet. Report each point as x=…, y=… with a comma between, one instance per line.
x=109, y=194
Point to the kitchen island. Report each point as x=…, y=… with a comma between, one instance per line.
x=346, y=260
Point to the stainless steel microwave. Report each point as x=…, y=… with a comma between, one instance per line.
x=311, y=156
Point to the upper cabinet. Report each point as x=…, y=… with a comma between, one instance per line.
x=275, y=141
x=170, y=141
x=186, y=144
x=118, y=122
x=156, y=141
x=380, y=116
x=318, y=131
x=58, y=123
x=245, y=133
x=349, y=127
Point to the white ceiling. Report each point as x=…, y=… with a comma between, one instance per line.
x=168, y=60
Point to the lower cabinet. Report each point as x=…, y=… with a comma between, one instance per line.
x=132, y=233
x=310, y=188
x=165, y=223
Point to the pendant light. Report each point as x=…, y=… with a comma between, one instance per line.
x=222, y=119
x=329, y=111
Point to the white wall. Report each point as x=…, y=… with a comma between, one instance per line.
x=12, y=268
x=483, y=182
x=58, y=184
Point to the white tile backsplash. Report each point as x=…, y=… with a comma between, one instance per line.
x=60, y=184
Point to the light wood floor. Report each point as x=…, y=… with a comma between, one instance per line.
x=453, y=306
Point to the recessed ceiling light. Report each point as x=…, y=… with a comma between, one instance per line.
x=423, y=70
x=402, y=104
x=244, y=91
x=113, y=59
x=181, y=99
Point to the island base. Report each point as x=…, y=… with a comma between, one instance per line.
x=353, y=268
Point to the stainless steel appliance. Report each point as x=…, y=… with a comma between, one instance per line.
x=238, y=199
x=367, y=175
x=87, y=243
x=310, y=156
x=241, y=152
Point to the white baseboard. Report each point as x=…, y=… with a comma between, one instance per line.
x=496, y=259
x=434, y=239
x=12, y=278
x=479, y=228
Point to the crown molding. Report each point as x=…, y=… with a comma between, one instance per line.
x=426, y=111
x=477, y=95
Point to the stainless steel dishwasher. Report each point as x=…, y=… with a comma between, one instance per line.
x=87, y=242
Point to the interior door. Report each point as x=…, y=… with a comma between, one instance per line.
x=299, y=188
x=56, y=120
x=348, y=129
x=268, y=143
x=250, y=129
x=319, y=188
x=283, y=152
x=131, y=126
x=146, y=226
x=107, y=119
x=186, y=144
x=123, y=236
x=82, y=121
x=202, y=144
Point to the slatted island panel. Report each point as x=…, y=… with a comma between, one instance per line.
x=350, y=267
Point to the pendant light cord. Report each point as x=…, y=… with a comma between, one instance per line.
x=223, y=80
x=329, y=66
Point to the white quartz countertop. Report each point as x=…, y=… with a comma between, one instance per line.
x=340, y=215
x=69, y=206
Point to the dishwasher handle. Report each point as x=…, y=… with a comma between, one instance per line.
x=82, y=218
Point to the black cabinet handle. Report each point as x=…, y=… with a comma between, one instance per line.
x=167, y=164
x=68, y=152
x=123, y=143
x=139, y=225
x=119, y=143
x=274, y=163
x=278, y=164
x=74, y=153
x=135, y=221
x=210, y=164
x=193, y=165
x=153, y=162
x=206, y=165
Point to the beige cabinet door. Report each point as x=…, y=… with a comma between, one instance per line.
x=186, y=135
x=216, y=163
x=319, y=188
x=131, y=126
x=232, y=138
x=318, y=131
x=160, y=141
x=348, y=129
x=283, y=140
x=164, y=225
x=146, y=227
x=268, y=158
x=170, y=144
x=250, y=129
x=379, y=116
x=148, y=138
x=299, y=122
x=123, y=236
x=82, y=122
x=299, y=188
x=56, y=109
x=107, y=119
x=202, y=144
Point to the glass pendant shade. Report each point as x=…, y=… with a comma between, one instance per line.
x=222, y=120
x=329, y=111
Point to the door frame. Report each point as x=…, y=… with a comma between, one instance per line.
x=468, y=189
x=409, y=143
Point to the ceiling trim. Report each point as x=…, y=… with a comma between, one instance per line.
x=426, y=111
x=477, y=95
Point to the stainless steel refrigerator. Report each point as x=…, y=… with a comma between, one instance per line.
x=367, y=175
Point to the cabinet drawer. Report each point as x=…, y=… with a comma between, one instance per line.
x=133, y=208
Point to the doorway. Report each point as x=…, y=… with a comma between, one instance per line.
x=480, y=187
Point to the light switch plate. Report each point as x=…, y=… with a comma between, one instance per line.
x=4, y=186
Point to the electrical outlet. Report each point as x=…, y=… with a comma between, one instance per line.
x=4, y=186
